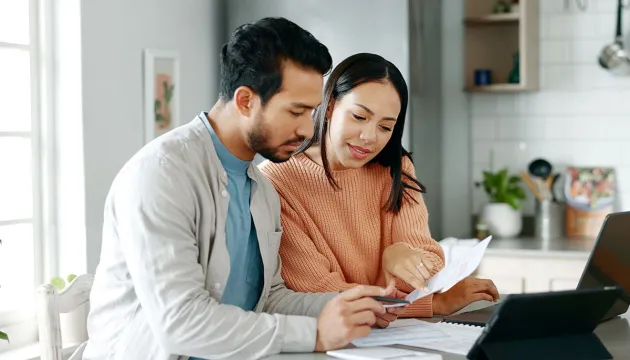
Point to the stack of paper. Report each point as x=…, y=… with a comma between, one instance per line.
x=400, y=331
x=460, y=340
x=446, y=337
x=382, y=353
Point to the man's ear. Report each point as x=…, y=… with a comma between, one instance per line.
x=244, y=100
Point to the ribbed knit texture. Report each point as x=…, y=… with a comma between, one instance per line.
x=334, y=240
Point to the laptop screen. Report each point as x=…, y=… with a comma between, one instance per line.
x=609, y=263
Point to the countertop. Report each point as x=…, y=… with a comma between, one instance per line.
x=529, y=246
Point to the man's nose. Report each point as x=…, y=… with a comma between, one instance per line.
x=306, y=128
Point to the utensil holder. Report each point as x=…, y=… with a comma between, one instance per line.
x=548, y=220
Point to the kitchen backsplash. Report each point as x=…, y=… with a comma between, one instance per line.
x=581, y=114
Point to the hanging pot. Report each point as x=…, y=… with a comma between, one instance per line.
x=613, y=57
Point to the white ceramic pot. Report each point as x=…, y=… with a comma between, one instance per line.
x=73, y=325
x=503, y=221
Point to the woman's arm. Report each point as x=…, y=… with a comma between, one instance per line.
x=411, y=226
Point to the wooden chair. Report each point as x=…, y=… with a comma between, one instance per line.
x=50, y=304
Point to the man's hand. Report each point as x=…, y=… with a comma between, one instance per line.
x=383, y=320
x=408, y=264
x=349, y=316
x=463, y=294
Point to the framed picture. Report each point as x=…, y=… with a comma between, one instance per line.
x=161, y=93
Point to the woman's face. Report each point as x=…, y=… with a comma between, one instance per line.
x=361, y=124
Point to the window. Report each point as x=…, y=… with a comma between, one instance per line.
x=21, y=180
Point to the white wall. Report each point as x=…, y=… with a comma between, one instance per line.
x=581, y=115
x=345, y=27
x=114, y=34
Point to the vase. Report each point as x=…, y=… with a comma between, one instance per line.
x=515, y=74
x=502, y=220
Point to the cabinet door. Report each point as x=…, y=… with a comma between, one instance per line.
x=559, y=284
x=506, y=273
x=553, y=273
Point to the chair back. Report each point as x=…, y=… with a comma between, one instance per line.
x=50, y=304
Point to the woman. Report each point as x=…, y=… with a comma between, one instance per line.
x=352, y=209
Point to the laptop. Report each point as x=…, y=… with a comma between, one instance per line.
x=608, y=265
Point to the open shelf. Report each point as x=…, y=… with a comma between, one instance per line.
x=498, y=88
x=492, y=41
x=494, y=19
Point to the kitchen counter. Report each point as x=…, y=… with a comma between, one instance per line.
x=531, y=265
x=532, y=247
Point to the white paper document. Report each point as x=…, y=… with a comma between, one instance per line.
x=460, y=340
x=374, y=353
x=400, y=331
x=446, y=337
x=454, y=271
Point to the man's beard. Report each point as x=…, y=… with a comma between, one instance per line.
x=258, y=138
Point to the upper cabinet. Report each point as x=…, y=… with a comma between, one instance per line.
x=502, y=45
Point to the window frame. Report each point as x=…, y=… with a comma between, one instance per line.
x=42, y=136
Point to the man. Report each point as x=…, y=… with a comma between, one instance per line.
x=189, y=262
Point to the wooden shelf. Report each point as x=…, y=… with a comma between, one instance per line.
x=493, y=41
x=497, y=88
x=494, y=19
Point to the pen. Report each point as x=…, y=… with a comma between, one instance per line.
x=390, y=300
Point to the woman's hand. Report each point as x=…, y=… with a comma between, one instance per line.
x=463, y=294
x=391, y=314
x=408, y=264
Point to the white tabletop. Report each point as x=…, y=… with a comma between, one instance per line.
x=614, y=334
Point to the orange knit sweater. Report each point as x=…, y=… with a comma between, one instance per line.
x=334, y=240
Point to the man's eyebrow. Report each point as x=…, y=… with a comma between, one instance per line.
x=302, y=105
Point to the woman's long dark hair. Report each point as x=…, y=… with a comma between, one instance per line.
x=356, y=70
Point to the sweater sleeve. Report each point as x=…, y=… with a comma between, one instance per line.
x=411, y=226
x=304, y=267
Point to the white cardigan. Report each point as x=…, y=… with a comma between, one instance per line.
x=164, y=263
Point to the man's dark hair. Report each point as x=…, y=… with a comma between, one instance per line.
x=255, y=53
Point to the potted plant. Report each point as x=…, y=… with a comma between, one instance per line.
x=72, y=324
x=502, y=214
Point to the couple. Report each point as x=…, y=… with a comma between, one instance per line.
x=193, y=235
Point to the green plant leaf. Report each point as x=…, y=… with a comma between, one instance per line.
x=58, y=283
x=168, y=95
x=502, y=180
x=503, y=188
x=4, y=336
x=71, y=277
x=157, y=105
x=519, y=193
x=513, y=201
x=514, y=180
x=488, y=183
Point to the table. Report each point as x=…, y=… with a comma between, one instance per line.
x=614, y=334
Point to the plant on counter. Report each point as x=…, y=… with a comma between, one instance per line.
x=503, y=188
x=503, y=212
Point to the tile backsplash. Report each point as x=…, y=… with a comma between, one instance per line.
x=581, y=114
